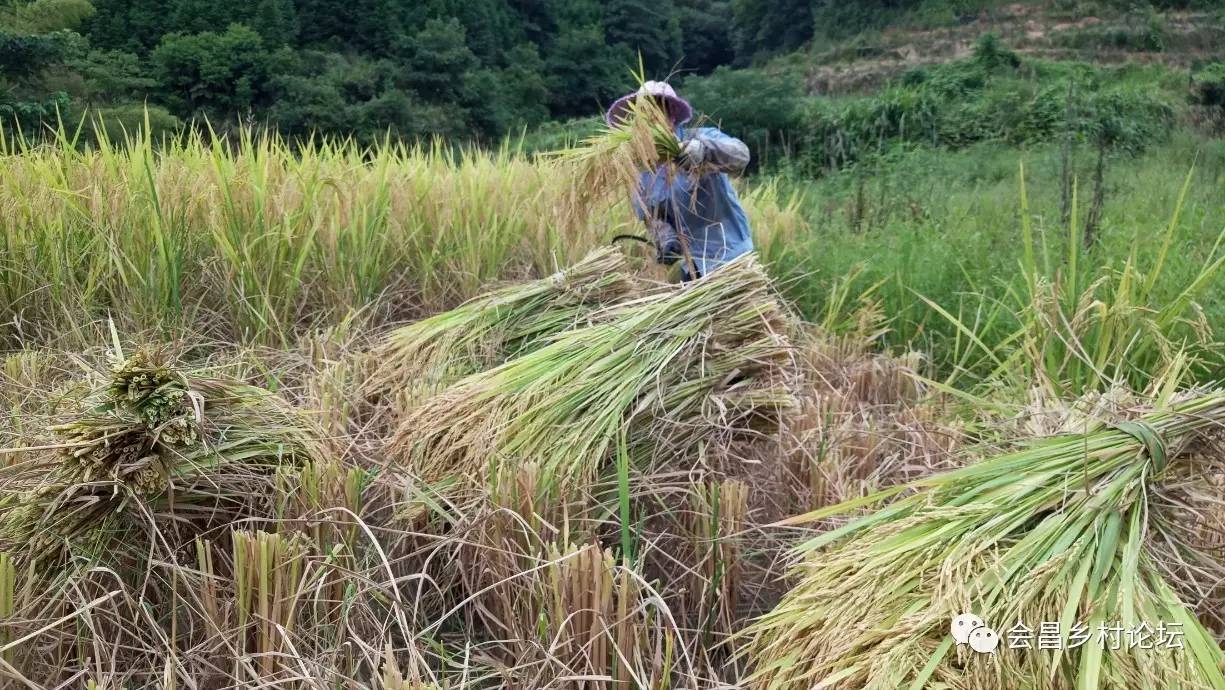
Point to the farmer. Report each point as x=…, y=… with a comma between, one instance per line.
x=692, y=211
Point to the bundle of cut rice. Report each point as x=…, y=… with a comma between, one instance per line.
x=605, y=167
x=1058, y=540
x=494, y=327
x=156, y=451
x=671, y=370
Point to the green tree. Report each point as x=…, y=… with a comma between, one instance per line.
x=767, y=28
x=133, y=25
x=312, y=92
x=370, y=27
x=23, y=57
x=26, y=100
x=113, y=76
x=193, y=16
x=586, y=72
x=438, y=62
x=473, y=68
x=276, y=21
x=516, y=96
x=706, y=38
x=320, y=92
x=217, y=74
x=491, y=28
x=537, y=20
x=649, y=27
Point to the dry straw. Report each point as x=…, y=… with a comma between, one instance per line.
x=1060, y=531
x=557, y=610
x=718, y=517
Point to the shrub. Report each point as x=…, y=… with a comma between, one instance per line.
x=991, y=53
x=1208, y=86
x=122, y=121
x=983, y=98
x=760, y=108
x=212, y=72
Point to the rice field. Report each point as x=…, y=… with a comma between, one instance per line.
x=253, y=242
x=393, y=418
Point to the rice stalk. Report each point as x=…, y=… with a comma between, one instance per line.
x=679, y=367
x=8, y=604
x=512, y=539
x=595, y=620
x=494, y=327
x=153, y=449
x=255, y=239
x=606, y=166
x=720, y=513
x=528, y=515
x=269, y=577
x=393, y=677
x=312, y=495
x=1058, y=531
x=209, y=596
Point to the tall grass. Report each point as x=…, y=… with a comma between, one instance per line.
x=252, y=240
x=928, y=234
x=249, y=239
x=1079, y=331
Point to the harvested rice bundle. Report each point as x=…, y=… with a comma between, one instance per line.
x=1057, y=533
x=697, y=358
x=735, y=388
x=490, y=329
x=156, y=449
x=604, y=167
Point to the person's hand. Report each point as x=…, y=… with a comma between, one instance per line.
x=693, y=153
x=667, y=244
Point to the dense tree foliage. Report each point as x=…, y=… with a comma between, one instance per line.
x=470, y=69
x=474, y=69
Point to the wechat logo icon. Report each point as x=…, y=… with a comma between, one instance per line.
x=970, y=629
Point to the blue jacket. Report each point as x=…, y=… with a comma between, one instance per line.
x=704, y=208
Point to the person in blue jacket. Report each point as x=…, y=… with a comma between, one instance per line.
x=691, y=208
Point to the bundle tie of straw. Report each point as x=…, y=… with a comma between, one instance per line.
x=1154, y=444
